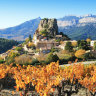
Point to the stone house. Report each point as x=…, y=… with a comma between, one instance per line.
x=92, y=43
x=62, y=46
x=4, y=56
x=58, y=37
x=35, y=39
x=46, y=46
x=28, y=49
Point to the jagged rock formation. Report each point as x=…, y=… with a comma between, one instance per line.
x=49, y=25
x=47, y=29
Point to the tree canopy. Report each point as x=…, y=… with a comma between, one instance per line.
x=69, y=46
x=6, y=44
x=82, y=44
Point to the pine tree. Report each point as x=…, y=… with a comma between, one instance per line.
x=30, y=38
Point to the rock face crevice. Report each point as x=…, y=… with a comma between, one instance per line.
x=50, y=25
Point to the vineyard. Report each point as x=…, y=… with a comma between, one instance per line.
x=49, y=79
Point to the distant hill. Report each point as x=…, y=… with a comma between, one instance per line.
x=21, y=31
x=76, y=27
x=68, y=18
x=81, y=32
x=6, y=44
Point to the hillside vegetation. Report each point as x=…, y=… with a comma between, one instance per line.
x=81, y=32
x=6, y=44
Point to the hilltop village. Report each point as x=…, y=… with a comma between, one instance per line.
x=47, y=36
x=49, y=45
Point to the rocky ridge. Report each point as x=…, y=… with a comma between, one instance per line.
x=49, y=25
x=76, y=20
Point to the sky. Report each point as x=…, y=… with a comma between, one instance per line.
x=15, y=12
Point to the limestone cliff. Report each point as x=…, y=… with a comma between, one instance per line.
x=49, y=25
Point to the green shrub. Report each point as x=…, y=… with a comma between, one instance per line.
x=53, y=50
x=58, y=40
x=44, y=33
x=45, y=19
x=43, y=63
x=69, y=46
x=94, y=47
x=64, y=56
x=52, y=58
x=1, y=61
x=9, y=60
x=82, y=44
x=13, y=54
x=89, y=56
x=19, y=48
x=35, y=62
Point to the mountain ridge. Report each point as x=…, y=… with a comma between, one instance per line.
x=22, y=31
x=66, y=24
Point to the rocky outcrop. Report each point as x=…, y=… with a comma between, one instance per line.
x=88, y=20
x=66, y=23
x=50, y=25
x=69, y=21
